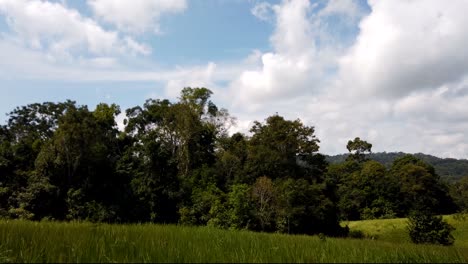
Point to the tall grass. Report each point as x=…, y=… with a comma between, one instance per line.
x=22, y=241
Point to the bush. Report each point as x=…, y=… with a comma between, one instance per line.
x=429, y=229
x=461, y=216
x=356, y=234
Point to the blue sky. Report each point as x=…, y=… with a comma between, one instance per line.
x=393, y=72
x=196, y=36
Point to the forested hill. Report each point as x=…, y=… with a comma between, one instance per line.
x=448, y=169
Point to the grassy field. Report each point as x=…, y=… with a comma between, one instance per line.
x=22, y=241
x=394, y=230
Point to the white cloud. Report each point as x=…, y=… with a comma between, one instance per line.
x=52, y=28
x=136, y=16
x=347, y=8
x=137, y=47
x=289, y=67
x=398, y=86
x=445, y=104
x=408, y=45
x=405, y=79
x=262, y=11
x=293, y=34
x=21, y=63
x=194, y=77
x=304, y=53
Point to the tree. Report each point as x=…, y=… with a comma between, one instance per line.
x=150, y=160
x=207, y=207
x=239, y=213
x=459, y=193
x=305, y=208
x=7, y=173
x=358, y=149
x=172, y=149
x=231, y=157
x=276, y=147
x=264, y=197
x=81, y=159
x=29, y=128
x=425, y=228
x=420, y=187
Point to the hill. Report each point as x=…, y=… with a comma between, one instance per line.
x=449, y=169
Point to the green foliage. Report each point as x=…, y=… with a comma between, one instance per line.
x=420, y=187
x=459, y=193
x=358, y=149
x=240, y=209
x=451, y=170
x=231, y=159
x=304, y=208
x=365, y=190
x=275, y=147
x=264, y=198
x=82, y=210
x=175, y=163
x=426, y=228
x=356, y=234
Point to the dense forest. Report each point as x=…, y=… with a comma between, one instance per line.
x=448, y=169
x=176, y=163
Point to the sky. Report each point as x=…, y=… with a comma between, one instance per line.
x=392, y=72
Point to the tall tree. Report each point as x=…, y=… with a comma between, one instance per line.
x=264, y=197
x=459, y=193
x=420, y=187
x=358, y=149
x=231, y=158
x=277, y=146
x=28, y=129
x=174, y=143
x=80, y=161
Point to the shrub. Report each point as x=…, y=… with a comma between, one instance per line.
x=461, y=216
x=429, y=229
x=356, y=234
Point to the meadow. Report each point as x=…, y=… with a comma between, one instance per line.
x=24, y=241
x=394, y=230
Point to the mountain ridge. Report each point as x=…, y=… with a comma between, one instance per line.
x=448, y=169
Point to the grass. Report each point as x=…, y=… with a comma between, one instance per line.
x=394, y=230
x=22, y=241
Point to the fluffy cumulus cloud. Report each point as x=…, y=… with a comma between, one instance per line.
x=404, y=46
x=287, y=69
x=402, y=83
x=305, y=51
x=409, y=56
x=136, y=16
x=53, y=28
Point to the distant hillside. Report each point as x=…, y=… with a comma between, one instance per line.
x=448, y=169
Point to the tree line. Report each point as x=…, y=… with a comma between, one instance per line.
x=175, y=162
x=449, y=169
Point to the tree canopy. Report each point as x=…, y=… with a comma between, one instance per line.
x=175, y=162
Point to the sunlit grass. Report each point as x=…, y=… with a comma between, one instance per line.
x=394, y=230
x=22, y=241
